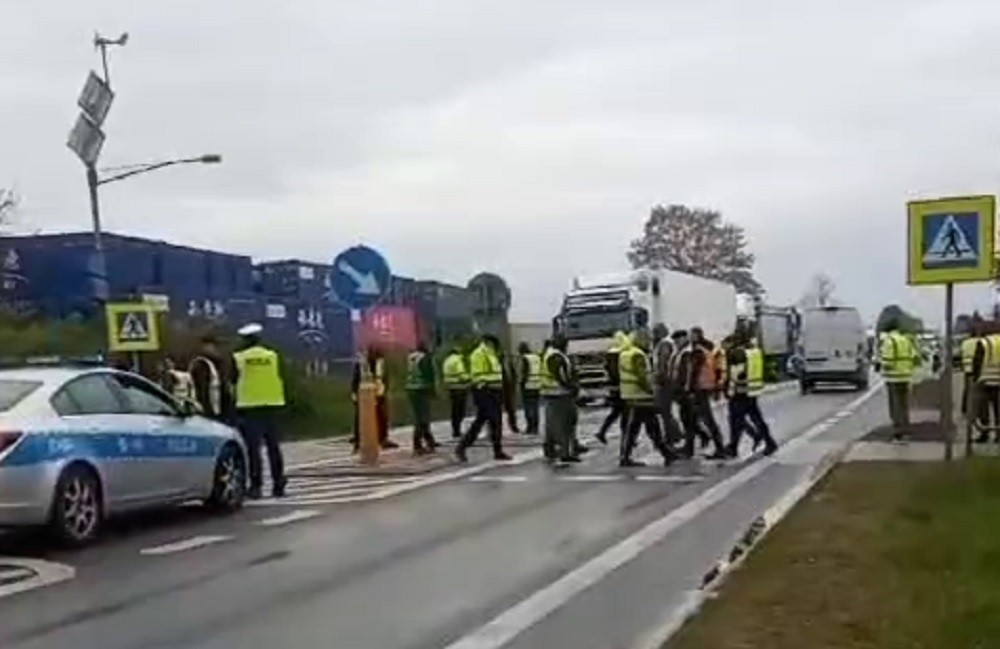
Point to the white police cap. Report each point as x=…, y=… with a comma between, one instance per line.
x=251, y=329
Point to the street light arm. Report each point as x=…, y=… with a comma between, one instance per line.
x=205, y=159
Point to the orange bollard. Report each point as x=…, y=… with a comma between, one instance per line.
x=368, y=445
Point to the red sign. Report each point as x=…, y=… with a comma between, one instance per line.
x=387, y=327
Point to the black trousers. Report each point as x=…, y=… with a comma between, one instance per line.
x=701, y=417
x=381, y=420
x=510, y=407
x=647, y=416
x=531, y=401
x=672, y=433
x=420, y=404
x=257, y=426
x=489, y=404
x=617, y=413
x=745, y=416
x=457, y=398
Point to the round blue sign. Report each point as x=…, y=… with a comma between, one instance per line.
x=359, y=277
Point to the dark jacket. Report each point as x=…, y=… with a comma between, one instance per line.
x=201, y=376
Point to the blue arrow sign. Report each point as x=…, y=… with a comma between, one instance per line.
x=359, y=278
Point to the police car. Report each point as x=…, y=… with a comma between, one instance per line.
x=79, y=443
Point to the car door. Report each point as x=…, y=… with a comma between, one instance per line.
x=177, y=448
x=90, y=407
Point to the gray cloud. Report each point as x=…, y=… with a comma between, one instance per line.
x=529, y=138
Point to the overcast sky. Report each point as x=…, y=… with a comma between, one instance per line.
x=524, y=137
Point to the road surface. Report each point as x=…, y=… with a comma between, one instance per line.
x=517, y=556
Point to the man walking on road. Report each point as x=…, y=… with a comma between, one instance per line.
x=487, y=394
x=745, y=364
x=559, y=391
x=663, y=352
x=530, y=371
x=260, y=394
x=986, y=378
x=211, y=389
x=509, y=370
x=456, y=379
x=703, y=386
x=637, y=391
x=897, y=360
x=611, y=366
x=420, y=388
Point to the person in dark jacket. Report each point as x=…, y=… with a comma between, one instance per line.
x=662, y=354
x=508, y=365
x=212, y=381
x=702, y=388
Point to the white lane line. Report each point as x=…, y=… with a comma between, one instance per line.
x=498, y=478
x=290, y=517
x=184, y=545
x=590, y=478
x=529, y=611
x=669, y=478
x=46, y=573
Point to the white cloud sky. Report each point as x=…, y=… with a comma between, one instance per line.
x=525, y=138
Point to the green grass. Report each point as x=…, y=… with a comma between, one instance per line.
x=879, y=555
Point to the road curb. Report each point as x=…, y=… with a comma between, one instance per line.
x=751, y=537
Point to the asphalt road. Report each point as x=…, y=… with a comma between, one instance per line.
x=520, y=556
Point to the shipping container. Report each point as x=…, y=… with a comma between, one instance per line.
x=388, y=328
x=294, y=278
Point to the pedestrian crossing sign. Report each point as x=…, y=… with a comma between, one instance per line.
x=951, y=240
x=132, y=327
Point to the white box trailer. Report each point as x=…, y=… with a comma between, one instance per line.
x=600, y=305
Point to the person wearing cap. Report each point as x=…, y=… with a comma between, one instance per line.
x=211, y=391
x=260, y=395
x=487, y=394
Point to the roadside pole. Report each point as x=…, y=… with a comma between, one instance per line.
x=947, y=425
x=950, y=240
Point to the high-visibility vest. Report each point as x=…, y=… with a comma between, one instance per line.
x=485, y=368
x=897, y=357
x=989, y=374
x=259, y=384
x=182, y=385
x=551, y=387
x=707, y=375
x=415, y=379
x=214, y=382
x=456, y=377
x=968, y=352
x=533, y=381
x=755, y=371
x=629, y=381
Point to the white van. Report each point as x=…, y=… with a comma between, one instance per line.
x=833, y=347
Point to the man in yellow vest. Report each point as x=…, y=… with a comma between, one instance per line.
x=260, y=394
x=559, y=390
x=530, y=375
x=620, y=342
x=375, y=362
x=455, y=373
x=486, y=374
x=986, y=377
x=898, y=358
x=967, y=354
x=745, y=379
x=636, y=384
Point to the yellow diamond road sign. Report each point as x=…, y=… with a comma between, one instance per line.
x=132, y=328
x=951, y=240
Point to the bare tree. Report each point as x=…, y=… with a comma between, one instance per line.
x=695, y=241
x=819, y=291
x=8, y=204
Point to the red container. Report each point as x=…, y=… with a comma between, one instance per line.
x=388, y=328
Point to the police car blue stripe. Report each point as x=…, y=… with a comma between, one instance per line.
x=37, y=448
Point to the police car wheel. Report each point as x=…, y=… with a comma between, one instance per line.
x=229, y=482
x=77, y=512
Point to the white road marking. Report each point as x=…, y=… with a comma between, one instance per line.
x=46, y=573
x=186, y=544
x=290, y=517
x=529, y=611
x=591, y=478
x=498, y=478
x=669, y=478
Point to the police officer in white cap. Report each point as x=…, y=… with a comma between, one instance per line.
x=260, y=394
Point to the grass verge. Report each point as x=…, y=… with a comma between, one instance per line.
x=878, y=555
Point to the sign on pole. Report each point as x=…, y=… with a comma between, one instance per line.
x=951, y=240
x=95, y=99
x=359, y=278
x=85, y=140
x=132, y=328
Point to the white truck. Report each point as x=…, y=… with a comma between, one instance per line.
x=833, y=347
x=598, y=306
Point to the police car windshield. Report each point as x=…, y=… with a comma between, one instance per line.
x=596, y=324
x=13, y=392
